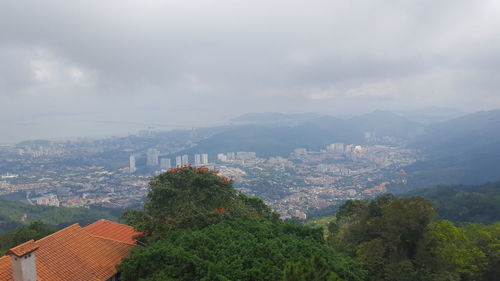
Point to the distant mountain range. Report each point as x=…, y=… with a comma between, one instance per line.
x=313, y=134
x=465, y=150
x=386, y=123
x=272, y=117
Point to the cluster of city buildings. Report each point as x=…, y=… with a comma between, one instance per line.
x=236, y=156
x=154, y=160
x=82, y=174
x=309, y=180
x=40, y=151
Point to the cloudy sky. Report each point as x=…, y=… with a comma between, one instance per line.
x=80, y=67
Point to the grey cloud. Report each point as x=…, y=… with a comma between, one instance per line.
x=115, y=59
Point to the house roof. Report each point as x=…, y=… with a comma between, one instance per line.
x=75, y=253
x=23, y=249
x=112, y=230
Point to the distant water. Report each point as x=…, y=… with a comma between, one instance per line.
x=71, y=128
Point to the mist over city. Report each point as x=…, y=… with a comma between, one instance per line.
x=250, y=140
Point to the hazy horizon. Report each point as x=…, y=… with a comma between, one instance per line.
x=85, y=68
x=77, y=128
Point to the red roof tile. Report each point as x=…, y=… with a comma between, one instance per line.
x=5, y=268
x=73, y=254
x=23, y=249
x=112, y=230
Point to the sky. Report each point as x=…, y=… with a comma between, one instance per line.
x=98, y=68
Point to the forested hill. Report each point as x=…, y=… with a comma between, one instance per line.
x=312, y=134
x=464, y=150
x=12, y=215
x=457, y=203
x=197, y=227
x=461, y=203
x=273, y=117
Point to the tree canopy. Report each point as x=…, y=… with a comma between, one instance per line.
x=242, y=249
x=34, y=230
x=191, y=198
x=400, y=239
x=197, y=227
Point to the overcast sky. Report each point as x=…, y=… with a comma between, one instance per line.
x=81, y=67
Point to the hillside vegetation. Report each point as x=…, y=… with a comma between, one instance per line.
x=464, y=150
x=34, y=230
x=457, y=203
x=398, y=239
x=461, y=203
x=314, y=134
x=12, y=215
x=197, y=227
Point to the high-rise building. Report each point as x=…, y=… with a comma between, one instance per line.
x=204, y=159
x=197, y=159
x=221, y=157
x=132, y=167
x=178, y=161
x=339, y=147
x=152, y=157
x=185, y=160
x=349, y=148
x=336, y=147
x=165, y=163
x=243, y=155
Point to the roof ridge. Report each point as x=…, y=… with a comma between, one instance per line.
x=74, y=253
x=23, y=248
x=108, y=221
x=75, y=225
x=111, y=239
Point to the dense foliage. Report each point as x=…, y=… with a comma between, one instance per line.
x=457, y=203
x=242, y=249
x=399, y=239
x=314, y=268
x=460, y=203
x=12, y=213
x=198, y=228
x=34, y=230
x=464, y=150
x=191, y=198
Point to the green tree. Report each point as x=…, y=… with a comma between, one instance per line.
x=238, y=249
x=182, y=198
x=452, y=250
x=312, y=269
x=198, y=228
x=487, y=239
x=190, y=198
x=34, y=230
x=384, y=234
x=400, y=239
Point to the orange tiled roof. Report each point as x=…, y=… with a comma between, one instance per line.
x=26, y=247
x=73, y=254
x=5, y=268
x=112, y=230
